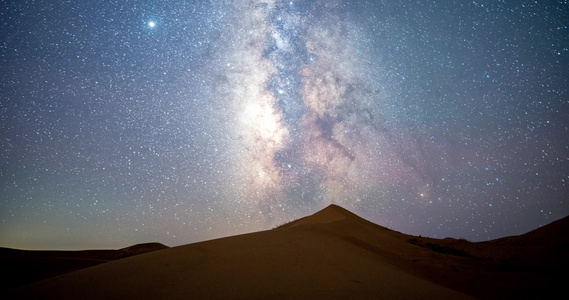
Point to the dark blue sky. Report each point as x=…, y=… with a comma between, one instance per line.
x=438, y=118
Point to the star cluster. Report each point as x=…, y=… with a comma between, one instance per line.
x=179, y=121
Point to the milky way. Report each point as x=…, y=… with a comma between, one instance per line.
x=179, y=122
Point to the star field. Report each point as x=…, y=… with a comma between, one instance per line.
x=180, y=121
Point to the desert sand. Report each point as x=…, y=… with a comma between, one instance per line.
x=332, y=254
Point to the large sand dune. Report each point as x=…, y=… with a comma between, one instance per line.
x=332, y=254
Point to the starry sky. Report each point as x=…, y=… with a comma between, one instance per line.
x=126, y=122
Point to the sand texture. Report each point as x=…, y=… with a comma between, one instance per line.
x=333, y=254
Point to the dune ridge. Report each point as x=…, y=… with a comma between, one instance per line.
x=327, y=215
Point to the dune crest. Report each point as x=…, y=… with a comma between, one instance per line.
x=327, y=215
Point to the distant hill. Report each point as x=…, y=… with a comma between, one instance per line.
x=332, y=254
x=142, y=248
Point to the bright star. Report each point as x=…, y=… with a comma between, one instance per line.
x=151, y=24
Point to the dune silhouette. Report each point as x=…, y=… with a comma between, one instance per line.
x=332, y=254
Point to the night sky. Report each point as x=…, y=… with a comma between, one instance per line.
x=125, y=122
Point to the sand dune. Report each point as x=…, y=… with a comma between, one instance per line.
x=333, y=254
